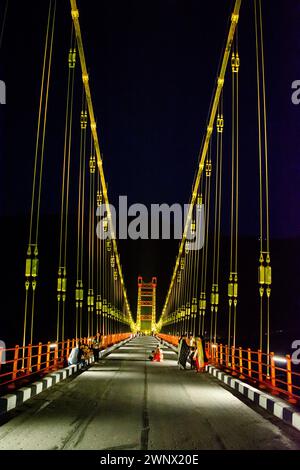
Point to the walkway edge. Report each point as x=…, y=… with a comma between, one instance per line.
x=273, y=405
x=13, y=400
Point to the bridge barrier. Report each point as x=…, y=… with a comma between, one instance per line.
x=276, y=374
x=269, y=371
x=170, y=339
x=21, y=394
x=23, y=364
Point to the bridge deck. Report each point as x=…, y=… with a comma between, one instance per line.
x=128, y=402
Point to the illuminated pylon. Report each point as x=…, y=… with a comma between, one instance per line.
x=146, y=305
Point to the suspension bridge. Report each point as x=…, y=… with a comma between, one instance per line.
x=249, y=397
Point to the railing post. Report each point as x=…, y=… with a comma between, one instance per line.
x=29, y=358
x=260, y=370
x=289, y=379
x=62, y=351
x=233, y=360
x=273, y=371
x=208, y=350
x=68, y=349
x=15, y=364
x=226, y=356
x=241, y=360
x=56, y=354
x=48, y=355
x=233, y=357
x=249, y=363
x=217, y=353
x=39, y=358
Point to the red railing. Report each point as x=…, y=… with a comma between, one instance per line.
x=275, y=373
x=21, y=364
x=170, y=339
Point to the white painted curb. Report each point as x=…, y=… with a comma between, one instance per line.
x=274, y=405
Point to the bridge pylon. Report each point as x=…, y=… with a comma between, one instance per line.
x=146, y=305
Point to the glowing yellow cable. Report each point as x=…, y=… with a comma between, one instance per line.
x=85, y=79
x=203, y=152
x=31, y=269
x=62, y=263
x=265, y=271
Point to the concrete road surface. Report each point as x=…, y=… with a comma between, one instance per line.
x=127, y=402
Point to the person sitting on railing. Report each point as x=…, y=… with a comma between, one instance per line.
x=86, y=353
x=74, y=357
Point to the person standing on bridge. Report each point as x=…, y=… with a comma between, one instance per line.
x=179, y=347
x=191, y=341
x=96, y=347
x=183, y=352
x=200, y=357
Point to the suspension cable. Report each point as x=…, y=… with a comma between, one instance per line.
x=206, y=246
x=196, y=228
x=187, y=291
x=202, y=301
x=217, y=221
x=265, y=270
x=93, y=125
x=233, y=275
x=32, y=261
x=197, y=286
x=64, y=210
x=206, y=142
x=80, y=221
x=98, y=263
x=90, y=298
x=3, y=23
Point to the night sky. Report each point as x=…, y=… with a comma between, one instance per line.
x=152, y=68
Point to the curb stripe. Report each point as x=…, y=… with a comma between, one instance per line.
x=296, y=421
x=273, y=405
